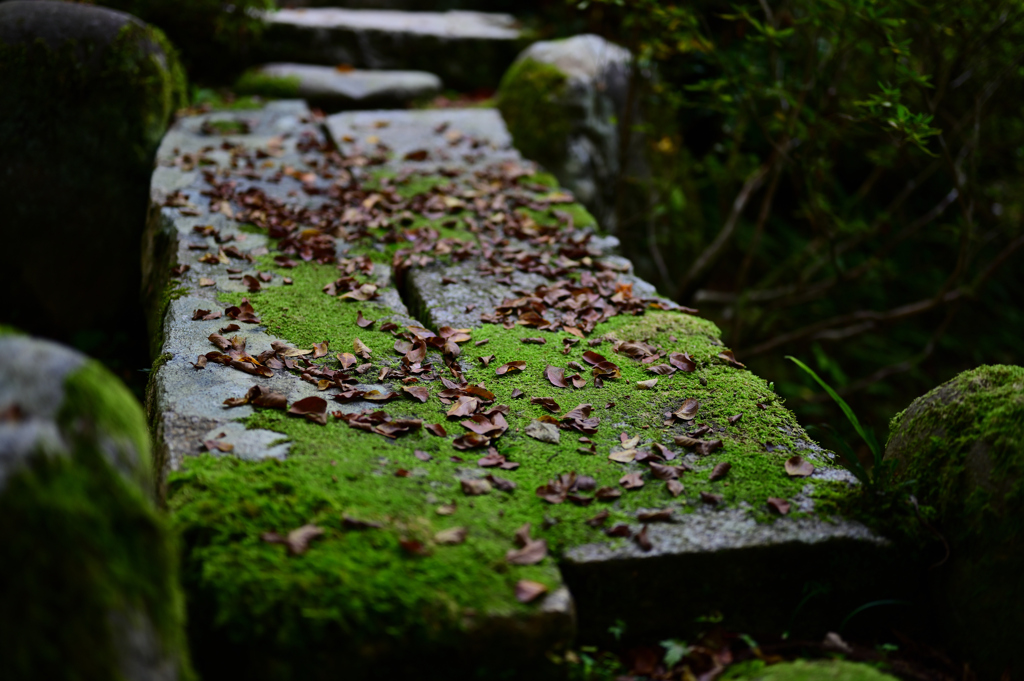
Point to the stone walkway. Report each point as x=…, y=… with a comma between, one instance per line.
x=440, y=414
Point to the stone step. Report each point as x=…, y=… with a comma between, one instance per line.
x=334, y=89
x=466, y=49
x=403, y=549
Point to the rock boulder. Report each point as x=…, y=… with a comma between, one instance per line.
x=88, y=583
x=564, y=102
x=87, y=94
x=962, y=445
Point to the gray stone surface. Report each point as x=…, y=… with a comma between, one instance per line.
x=592, y=104
x=332, y=89
x=463, y=139
x=466, y=49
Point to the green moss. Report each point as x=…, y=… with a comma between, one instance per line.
x=6, y=330
x=527, y=99
x=360, y=587
x=805, y=670
x=94, y=396
x=254, y=82
x=962, y=444
x=83, y=541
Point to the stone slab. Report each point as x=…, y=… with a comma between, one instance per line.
x=466, y=49
x=713, y=551
x=332, y=89
x=185, y=402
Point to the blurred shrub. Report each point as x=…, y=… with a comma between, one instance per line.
x=836, y=180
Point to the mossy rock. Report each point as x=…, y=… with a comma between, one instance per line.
x=529, y=99
x=806, y=670
x=961, y=447
x=87, y=95
x=88, y=577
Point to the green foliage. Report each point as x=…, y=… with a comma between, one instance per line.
x=825, y=171
x=876, y=477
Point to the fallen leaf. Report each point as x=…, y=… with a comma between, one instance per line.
x=418, y=392
x=446, y=509
x=592, y=358
x=687, y=411
x=624, y=456
x=422, y=455
x=661, y=369
x=632, y=480
x=556, y=375
x=414, y=547
x=719, y=471
x=606, y=370
x=797, y=467
x=470, y=441
x=528, y=591
x=675, y=488
x=662, y=515
x=532, y=553
x=780, y=506
x=682, y=361
x=350, y=523
x=729, y=358
x=517, y=365
x=517, y=393
x=475, y=487
x=647, y=385
x=311, y=408
x=218, y=445
x=436, y=429
x=546, y=402
x=662, y=472
x=606, y=493
x=705, y=447
x=297, y=540
x=713, y=499
x=453, y=535
x=361, y=349
x=735, y=419
x=642, y=540
x=629, y=442
x=599, y=519
x=362, y=322
x=545, y=432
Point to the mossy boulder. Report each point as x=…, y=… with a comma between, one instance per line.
x=88, y=579
x=807, y=670
x=564, y=102
x=87, y=95
x=962, y=446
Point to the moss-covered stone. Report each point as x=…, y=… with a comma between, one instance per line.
x=529, y=99
x=961, y=448
x=88, y=567
x=806, y=670
x=87, y=95
x=254, y=82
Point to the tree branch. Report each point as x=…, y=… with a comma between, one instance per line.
x=714, y=250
